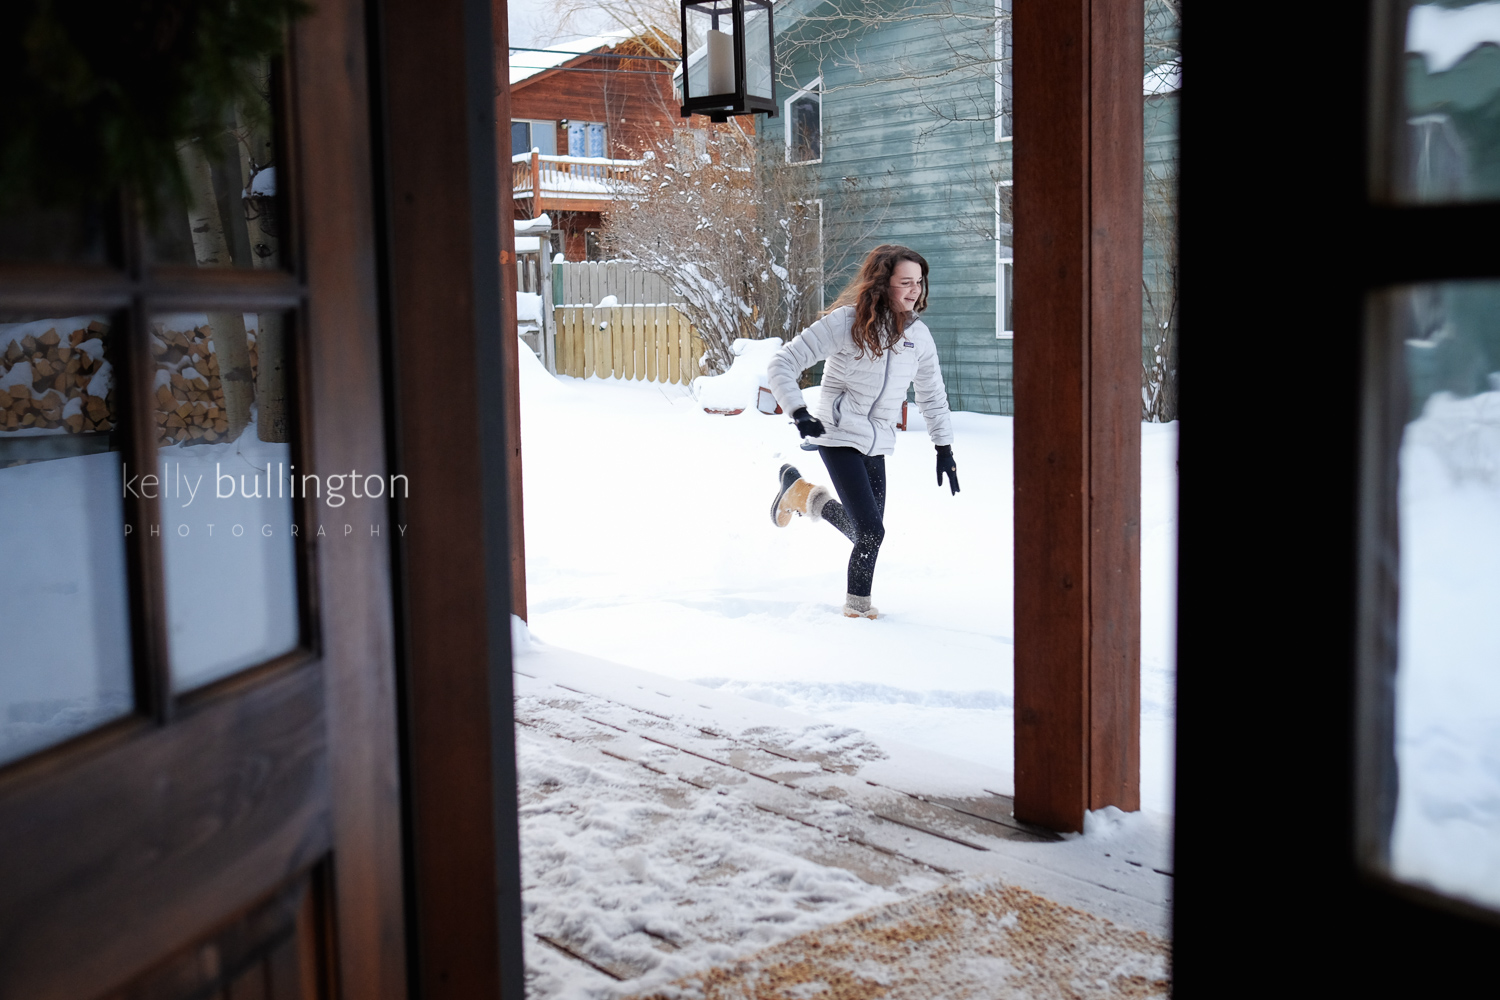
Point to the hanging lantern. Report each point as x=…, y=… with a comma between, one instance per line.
x=728, y=58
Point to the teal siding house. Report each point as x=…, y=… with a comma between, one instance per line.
x=902, y=113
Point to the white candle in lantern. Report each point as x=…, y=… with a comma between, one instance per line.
x=720, y=62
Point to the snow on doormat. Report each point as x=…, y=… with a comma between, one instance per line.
x=975, y=940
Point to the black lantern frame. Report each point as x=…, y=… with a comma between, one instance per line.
x=720, y=107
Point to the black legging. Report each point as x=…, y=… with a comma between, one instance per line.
x=859, y=512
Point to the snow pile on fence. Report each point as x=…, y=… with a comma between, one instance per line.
x=528, y=308
x=55, y=382
x=739, y=388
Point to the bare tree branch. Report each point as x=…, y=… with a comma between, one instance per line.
x=739, y=233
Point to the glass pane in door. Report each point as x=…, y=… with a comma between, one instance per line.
x=1446, y=129
x=1446, y=831
x=71, y=234
x=223, y=431
x=228, y=213
x=65, y=661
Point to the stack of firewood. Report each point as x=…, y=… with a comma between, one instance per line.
x=49, y=382
x=189, y=394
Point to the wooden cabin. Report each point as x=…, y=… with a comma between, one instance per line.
x=582, y=115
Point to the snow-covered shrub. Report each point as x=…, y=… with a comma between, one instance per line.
x=739, y=236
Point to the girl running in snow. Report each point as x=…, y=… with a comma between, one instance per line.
x=875, y=346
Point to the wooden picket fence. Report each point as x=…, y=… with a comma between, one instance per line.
x=653, y=343
x=591, y=281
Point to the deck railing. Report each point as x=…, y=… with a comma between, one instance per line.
x=566, y=182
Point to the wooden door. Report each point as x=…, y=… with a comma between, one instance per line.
x=199, y=787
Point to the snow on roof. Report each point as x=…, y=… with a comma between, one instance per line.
x=1445, y=35
x=692, y=60
x=524, y=65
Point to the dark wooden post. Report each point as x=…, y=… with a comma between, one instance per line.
x=1078, y=120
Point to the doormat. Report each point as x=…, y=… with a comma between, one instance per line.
x=972, y=941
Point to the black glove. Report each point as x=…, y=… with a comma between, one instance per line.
x=808, y=425
x=946, y=464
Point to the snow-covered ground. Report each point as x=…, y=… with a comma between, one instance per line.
x=654, y=571
x=1447, y=831
x=649, y=543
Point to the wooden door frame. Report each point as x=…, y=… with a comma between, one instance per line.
x=445, y=229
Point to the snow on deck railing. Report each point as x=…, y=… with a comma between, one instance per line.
x=595, y=178
x=592, y=160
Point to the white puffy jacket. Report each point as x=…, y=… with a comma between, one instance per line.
x=861, y=398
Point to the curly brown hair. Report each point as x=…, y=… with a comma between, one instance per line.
x=875, y=322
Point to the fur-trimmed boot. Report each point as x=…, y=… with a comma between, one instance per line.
x=858, y=607
x=797, y=496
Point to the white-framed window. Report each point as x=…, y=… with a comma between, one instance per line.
x=588, y=139
x=804, y=124
x=1002, y=71
x=805, y=258
x=1005, y=262
x=527, y=134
